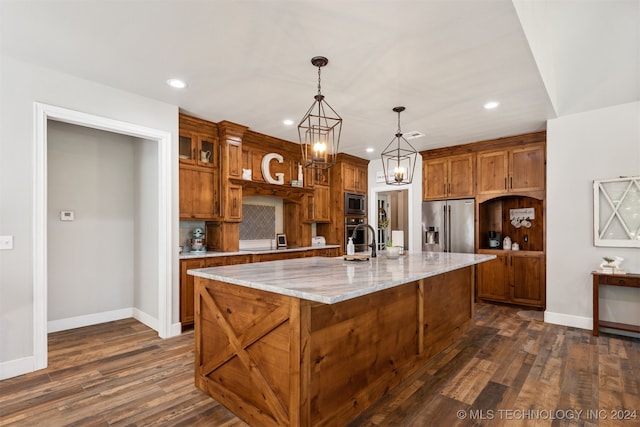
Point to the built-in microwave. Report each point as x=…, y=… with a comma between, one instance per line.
x=355, y=204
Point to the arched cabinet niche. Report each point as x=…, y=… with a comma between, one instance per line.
x=517, y=275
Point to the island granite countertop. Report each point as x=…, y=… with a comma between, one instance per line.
x=332, y=280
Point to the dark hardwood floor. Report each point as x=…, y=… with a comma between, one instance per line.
x=509, y=369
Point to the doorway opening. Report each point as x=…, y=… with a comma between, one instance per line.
x=162, y=259
x=392, y=218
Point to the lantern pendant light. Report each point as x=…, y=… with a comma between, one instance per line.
x=399, y=159
x=320, y=128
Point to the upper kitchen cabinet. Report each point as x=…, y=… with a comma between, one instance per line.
x=516, y=170
x=197, y=148
x=198, y=195
x=318, y=205
x=199, y=169
x=198, y=142
x=450, y=177
x=231, y=136
x=354, y=177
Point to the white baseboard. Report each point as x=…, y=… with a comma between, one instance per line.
x=88, y=320
x=176, y=329
x=568, y=320
x=16, y=367
x=143, y=317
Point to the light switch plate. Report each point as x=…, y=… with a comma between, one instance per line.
x=6, y=242
x=67, y=216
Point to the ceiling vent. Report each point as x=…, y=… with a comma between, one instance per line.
x=412, y=135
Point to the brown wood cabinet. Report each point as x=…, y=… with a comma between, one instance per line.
x=516, y=170
x=197, y=193
x=321, y=204
x=197, y=147
x=449, y=177
x=233, y=203
x=234, y=157
x=186, y=289
x=354, y=177
x=514, y=276
x=199, y=169
x=493, y=279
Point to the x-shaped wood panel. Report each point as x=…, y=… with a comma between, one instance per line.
x=238, y=345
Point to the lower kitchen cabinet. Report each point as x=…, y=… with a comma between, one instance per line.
x=513, y=277
x=329, y=253
x=186, y=289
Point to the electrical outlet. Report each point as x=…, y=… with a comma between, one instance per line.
x=6, y=242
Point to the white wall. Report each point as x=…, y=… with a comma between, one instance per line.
x=21, y=85
x=583, y=147
x=90, y=259
x=145, y=234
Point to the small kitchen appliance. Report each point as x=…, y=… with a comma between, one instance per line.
x=355, y=204
x=197, y=241
x=318, y=241
x=494, y=239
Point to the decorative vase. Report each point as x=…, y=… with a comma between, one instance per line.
x=392, y=252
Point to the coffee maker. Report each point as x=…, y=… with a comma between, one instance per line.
x=495, y=241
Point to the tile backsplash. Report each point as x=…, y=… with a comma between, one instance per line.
x=258, y=222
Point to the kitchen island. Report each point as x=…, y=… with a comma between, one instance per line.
x=315, y=341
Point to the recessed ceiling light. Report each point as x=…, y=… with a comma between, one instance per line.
x=176, y=83
x=287, y=122
x=370, y=150
x=491, y=105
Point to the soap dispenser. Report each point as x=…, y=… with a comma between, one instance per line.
x=351, y=250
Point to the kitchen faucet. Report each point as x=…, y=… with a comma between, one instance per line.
x=373, y=235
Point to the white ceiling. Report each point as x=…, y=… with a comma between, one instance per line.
x=249, y=61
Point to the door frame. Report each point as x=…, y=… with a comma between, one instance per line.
x=43, y=113
x=413, y=242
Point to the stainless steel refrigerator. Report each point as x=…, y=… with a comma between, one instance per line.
x=448, y=226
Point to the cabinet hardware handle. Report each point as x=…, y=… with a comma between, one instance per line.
x=449, y=191
x=505, y=182
x=510, y=182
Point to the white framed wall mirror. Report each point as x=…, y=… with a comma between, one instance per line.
x=616, y=212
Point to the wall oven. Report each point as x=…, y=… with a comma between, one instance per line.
x=355, y=204
x=361, y=239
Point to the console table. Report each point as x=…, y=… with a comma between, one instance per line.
x=599, y=279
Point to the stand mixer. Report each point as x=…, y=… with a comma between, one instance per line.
x=197, y=241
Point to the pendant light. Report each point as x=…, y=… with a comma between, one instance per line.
x=319, y=130
x=399, y=160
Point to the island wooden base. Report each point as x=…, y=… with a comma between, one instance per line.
x=276, y=360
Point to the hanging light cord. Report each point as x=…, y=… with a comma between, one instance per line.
x=398, y=136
